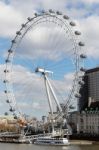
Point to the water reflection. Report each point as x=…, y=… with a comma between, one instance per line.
x=5, y=146
x=71, y=148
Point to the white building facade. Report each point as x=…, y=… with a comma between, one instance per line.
x=85, y=122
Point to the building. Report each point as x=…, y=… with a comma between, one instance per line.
x=8, y=123
x=85, y=122
x=73, y=121
x=86, y=119
x=90, y=90
x=88, y=122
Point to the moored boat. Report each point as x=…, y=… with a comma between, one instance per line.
x=48, y=140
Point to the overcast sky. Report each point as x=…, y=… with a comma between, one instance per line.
x=85, y=12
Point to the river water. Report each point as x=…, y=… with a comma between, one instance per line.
x=5, y=146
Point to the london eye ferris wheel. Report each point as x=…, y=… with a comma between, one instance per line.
x=44, y=65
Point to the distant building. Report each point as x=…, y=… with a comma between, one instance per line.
x=8, y=123
x=73, y=120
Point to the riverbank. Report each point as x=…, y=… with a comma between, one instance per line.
x=72, y=142
x=83, y=142
x=84, y=137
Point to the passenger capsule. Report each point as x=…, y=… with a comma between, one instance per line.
x=72, y=23
x=51, y=11
x=7, y=101
x=77, y=32
x=58, y=13
x=83, y=56
x=7, y=60
x=77, y=95
x=6, y=113
x=10, y=51
x=29, y=19
x=15, y=117
x=65, y=17
x=81, y=44
x=82, y=69
x=35, y=14
x=18, y=33
x=71, y=107
x=12, y=109
x=5, y=71
x=5, y=81
x=23, y=25
x=13, y=41
x=81, y=82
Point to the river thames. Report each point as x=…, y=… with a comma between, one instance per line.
x=6, y=146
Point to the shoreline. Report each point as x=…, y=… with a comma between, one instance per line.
x=72, y=142
x=83, y=142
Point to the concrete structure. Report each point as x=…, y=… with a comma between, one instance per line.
x=90, y=90
x=88, y=122
x=85, y=122
x=93, y=84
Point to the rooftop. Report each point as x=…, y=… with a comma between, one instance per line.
x=92, y=70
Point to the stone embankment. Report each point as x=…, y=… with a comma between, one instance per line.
x=83, y=142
